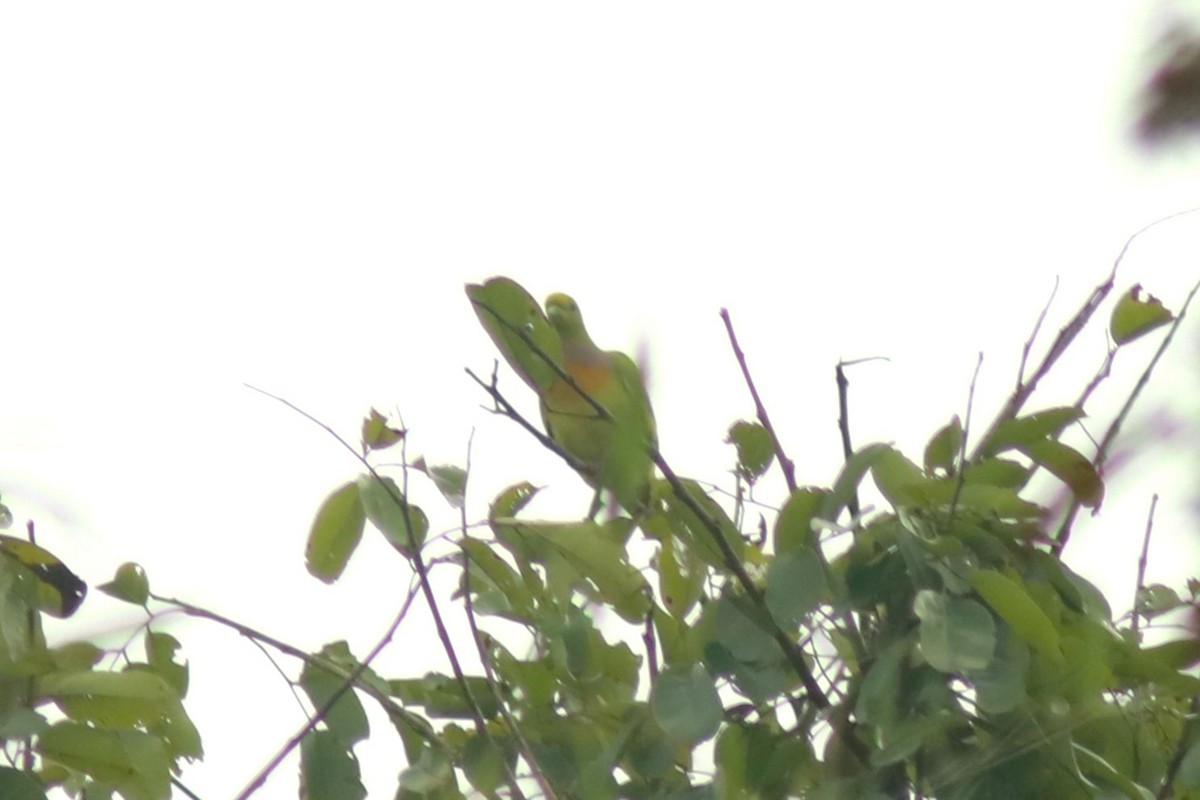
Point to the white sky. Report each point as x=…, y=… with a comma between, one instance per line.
x=292, y=195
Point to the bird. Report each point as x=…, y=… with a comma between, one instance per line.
x=604, y=421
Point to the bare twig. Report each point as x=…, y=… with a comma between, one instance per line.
x=1064, y=531
x=962, y=448
x=843, y=387
x=1037, y=327
x=506, y=409
x=785, y=463
x=1141, y=567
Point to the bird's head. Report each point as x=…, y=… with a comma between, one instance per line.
x=563, y=312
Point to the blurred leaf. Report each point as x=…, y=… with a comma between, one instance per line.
x=328, y=770
x=504, y=308
x=1022, y=431
x=1135, y=316
x=133, y=762
x=484, y=763
x=335, y=534
x=377, y=434
x=1014, y=605
x=1000, y=686
x=794, y=525
x=846, y=485
x=390, y=512
x=686, y=704
x=1155, y=599
x=755, y=451
x=160, y=654
x=129, y=584
x=956, y=634
x=795, y=585
x=17, y=784
x=901, y=481
x=683, y=522
x=681, y=577
x=1069, y=466
x=346, y=719
x=943, y=449
x=593, y=555
x=510, y=501
x=450, y=480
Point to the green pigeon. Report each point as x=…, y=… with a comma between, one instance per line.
x=614, y=450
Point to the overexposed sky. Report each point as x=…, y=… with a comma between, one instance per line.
x=292, y=195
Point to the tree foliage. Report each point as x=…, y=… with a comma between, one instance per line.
x=933, y=645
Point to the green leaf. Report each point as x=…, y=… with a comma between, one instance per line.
x=590, y=553
x=17, y=784
x=1134, y=317
x=1069, y=466
x=60, y=592
x=681, y=577
x=519, y=329
x=328, y=770
x=21, y=722
x=390, y=512
x=943, y=449
x=484, y=763
x=497, y=588
x=510, y=501
x=160, y=654
x=794, y=525
x=846, y=485
x=1156, y=599
x=696, y=532
x=1022, y=431
x=75, y=656
x=899, y=480
x=685, y=704
x=134, y=763
x=755, y=450
x=1000, y=686
x=795, y=585
x=335, y=534
x=377, y=434
x=450, y=480
x=346, y=719
x=1014, y=605
x=129, y=584
x=956, y=634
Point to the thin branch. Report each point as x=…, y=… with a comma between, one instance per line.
x=506, y=409
x=348, y=682
x=414, y=556
x=1068, y=333
x=1037, y=327
x=790, y=649
x=962, y=448
x=1064, y=530
x=843, y=387
x=485, y=660
x=785, y=463
x=1141, y=567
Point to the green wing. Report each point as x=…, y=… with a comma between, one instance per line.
x=504, y=308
